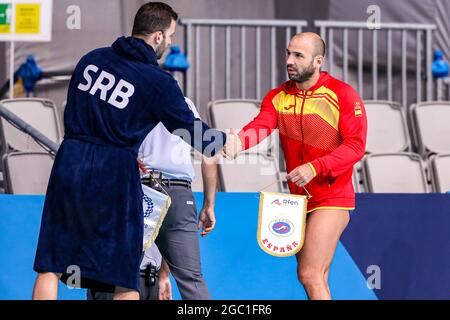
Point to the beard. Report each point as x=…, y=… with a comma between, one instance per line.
x=159, y=50
x=303, y=75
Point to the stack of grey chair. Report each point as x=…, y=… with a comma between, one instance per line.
x=25, y=164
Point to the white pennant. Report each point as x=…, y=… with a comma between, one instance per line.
x=281, y=223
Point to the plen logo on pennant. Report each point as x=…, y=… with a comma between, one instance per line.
x=281, y=223
x=282, y=227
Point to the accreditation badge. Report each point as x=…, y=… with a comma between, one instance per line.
x=155, y=205
x=281, y=223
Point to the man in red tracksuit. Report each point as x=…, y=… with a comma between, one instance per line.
x=323, y=128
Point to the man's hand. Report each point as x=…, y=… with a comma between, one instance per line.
x=233, y=146
x=301, y=175
x=164, y=286
x=142, y=168
x=207, y=220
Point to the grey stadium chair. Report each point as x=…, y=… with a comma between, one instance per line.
x=355, y=181
x=394, y=173
x=235, y=114
x=440, y=173
x=387, y=127
x=27, y=172
x=250, y=173
x=431, y=127
x=357, y=177
x=42, y=114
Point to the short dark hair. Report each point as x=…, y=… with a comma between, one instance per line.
x=153, y=17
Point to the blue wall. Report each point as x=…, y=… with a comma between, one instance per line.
x=407, y=236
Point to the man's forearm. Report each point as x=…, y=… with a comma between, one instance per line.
x=164, y=271
x=209, y=175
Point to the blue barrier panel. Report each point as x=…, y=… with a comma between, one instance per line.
x=236, y=268
x=20, y=218
x=406, y=236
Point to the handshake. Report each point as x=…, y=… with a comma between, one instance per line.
x=233, y=146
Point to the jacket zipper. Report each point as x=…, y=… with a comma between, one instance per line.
x=301, y=127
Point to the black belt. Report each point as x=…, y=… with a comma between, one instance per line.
x=167, y=182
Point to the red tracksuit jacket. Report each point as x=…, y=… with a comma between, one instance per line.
x=324, y=127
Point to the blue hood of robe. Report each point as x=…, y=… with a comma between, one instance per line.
x=135, y=48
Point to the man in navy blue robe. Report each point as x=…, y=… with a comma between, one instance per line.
x=92, y=222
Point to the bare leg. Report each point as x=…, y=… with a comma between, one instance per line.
x=125, y=294
x=325, y=277
x=323, y=230
x=46, y=286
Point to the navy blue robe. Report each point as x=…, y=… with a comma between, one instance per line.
x=92, y=216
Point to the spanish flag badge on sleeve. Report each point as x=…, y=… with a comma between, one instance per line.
x=358, y=109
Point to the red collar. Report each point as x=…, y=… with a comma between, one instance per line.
x=291, y=88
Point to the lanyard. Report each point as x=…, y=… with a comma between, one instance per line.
x=309, y=196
